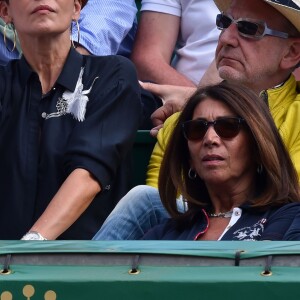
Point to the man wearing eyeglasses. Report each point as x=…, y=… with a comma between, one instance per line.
x=259, y=47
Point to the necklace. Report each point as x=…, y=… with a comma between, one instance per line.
x=227, y=214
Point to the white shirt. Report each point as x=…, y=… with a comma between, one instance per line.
x=198, y=36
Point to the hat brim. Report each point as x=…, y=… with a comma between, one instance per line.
x=222, y=5
x=292, y=14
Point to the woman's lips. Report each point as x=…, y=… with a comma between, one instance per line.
x=211, y=160
x=43, y=8
x=212, y=157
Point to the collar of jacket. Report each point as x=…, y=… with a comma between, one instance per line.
x=282, y=94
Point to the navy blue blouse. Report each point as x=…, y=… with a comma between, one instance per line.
x=43, y=138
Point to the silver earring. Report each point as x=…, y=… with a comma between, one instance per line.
x=78, y=33
x=15, y=37
x=259, y=169
x=192, y=174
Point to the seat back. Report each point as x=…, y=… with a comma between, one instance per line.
x=141, y=153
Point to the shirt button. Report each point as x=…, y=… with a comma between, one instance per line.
x=107, y=187
x=44, y=115
x=237, y=213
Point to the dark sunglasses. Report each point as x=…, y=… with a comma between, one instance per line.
x=249, y=28
x=226, y=128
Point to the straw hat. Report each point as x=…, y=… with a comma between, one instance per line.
x=289, y=8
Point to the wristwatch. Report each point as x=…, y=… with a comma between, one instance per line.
x=33, y=236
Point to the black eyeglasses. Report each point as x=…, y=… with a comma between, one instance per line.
x=226, y=128
x=249, y=28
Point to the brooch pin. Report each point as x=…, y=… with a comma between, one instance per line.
x=73, y=103
x=77, y=101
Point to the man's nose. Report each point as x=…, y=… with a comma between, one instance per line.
x=230, y=36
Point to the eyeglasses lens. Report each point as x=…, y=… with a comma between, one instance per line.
x=223, y=21
x=245, y=27
x=225, y=128
x=195, y=130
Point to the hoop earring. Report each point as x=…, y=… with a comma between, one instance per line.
x=78, y=33
x=259, y=169
x=192, y=174
x=15, y=37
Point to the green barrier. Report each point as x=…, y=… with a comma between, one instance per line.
x=149, y=270
x=141, y=153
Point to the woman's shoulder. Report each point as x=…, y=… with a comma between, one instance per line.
x=273, y=211
x=292, y=208
x=11, y=65
x=9, y=72
x=116, y=66
x=110, y=60
x=289, y=210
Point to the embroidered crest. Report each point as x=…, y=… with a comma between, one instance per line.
x=250, y=233
x=73, y=103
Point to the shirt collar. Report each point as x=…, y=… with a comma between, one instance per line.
x=25, y=70
x=68, y=76
x=283, y=95
x=70, y=72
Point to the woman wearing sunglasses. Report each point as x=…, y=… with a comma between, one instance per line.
x=226, y=158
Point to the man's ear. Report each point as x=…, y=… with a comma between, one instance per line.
x=292, y=56
x=4, y=12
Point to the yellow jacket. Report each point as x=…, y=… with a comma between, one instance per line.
x=284, y=104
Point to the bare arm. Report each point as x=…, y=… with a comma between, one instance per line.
x=174, y=98
x=154, y=45
x=71, y=200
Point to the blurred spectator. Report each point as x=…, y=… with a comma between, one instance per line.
x=106, y=27
x=5, y=54
x=185, y=28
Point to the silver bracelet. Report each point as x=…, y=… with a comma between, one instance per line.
x=33, y=236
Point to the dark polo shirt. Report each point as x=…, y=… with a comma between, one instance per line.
x=42, y=142
x=253, y=225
